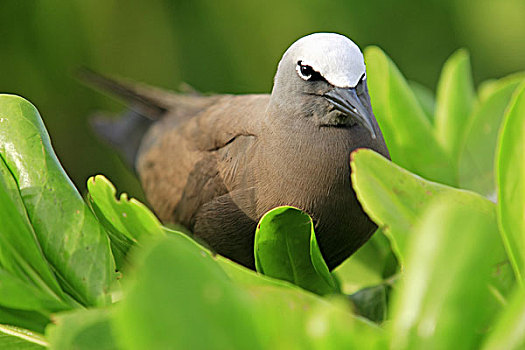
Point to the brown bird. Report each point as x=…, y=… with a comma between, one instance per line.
x=216, y=164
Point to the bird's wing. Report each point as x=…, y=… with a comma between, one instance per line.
x=193, y=157
x=185, y=165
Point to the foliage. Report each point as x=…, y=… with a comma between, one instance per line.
x=444, y=270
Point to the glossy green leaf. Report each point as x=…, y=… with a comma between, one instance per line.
x=18, y=294
x=82, y=330
x=15, y=338
x=178, y=297
x=511, y=182
x=71, y=238
x=126, y=220
x=476, y=161
x=286, y=249
x=488, y=87
x=408, y=133
x=237, y=273
x=455, y=101
x=395, y=198
x=27, y=279
x=369, y=266
x=32, y=320
x=443, y=301
x=509, y=329
x=295, y=319
x=426, y=99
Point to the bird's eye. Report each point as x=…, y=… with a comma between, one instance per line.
x=306, y=72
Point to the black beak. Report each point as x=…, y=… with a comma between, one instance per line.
x=347, y=100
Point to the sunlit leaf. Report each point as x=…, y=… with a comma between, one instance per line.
x=476, y=160
x=511, y=182
x=369, y=266
x=395, y=198
x=15, y=338
x=443, y=301
x=71, y=238
x=286, y=249
x=455, y=101
x=509, y=329
x=126, y=220
x=408, y=132
x=426, y=99
x=82, y=330
x=180, y=298
x=27, y=281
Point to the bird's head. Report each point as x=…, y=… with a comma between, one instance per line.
x=323, y=76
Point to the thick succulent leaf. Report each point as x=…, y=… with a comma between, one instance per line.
x=369, y=266
x=443, y=301
x=237, y=273
x=511, y=182
x=509, y=330
x=395, y=198
x=408, y=133
x=371, y=302
x=126, y=220
x=16, y=293
x=476, y=161
x=488, y=87
x=295, y=319
x=31, y=320
x=71, y=238
x=24, y=271
x=426, y=99
x=286, y=249
x=82, y=330
x=455, y=101
x=178, y=297
x=15, y=338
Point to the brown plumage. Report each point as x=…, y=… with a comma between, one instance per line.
x=217, y=163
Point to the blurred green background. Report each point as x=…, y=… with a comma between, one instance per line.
x=222, y=46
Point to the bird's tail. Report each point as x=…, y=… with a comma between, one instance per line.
x=125, y=132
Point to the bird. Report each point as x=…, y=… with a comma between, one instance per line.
x=217, y=163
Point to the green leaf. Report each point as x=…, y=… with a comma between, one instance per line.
x=295, y=319
x=237, y=273
x=455, y=101
x=286, y=249
x=178, y=297
x=408, y=132
x=369, y=266
x=16, y=293
x=395, y=198
x=71, y=238
x=509, y=329
x=371, y=302
x=127, y=221
x=511, y=183
x=488, y=87
x=82, y=330
x=443, y=301
x=425, y=97
x=15, y=338
x=32, y=320
x=27, y=280
x=476, y=161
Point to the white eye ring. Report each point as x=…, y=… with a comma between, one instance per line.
x=304, y=71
